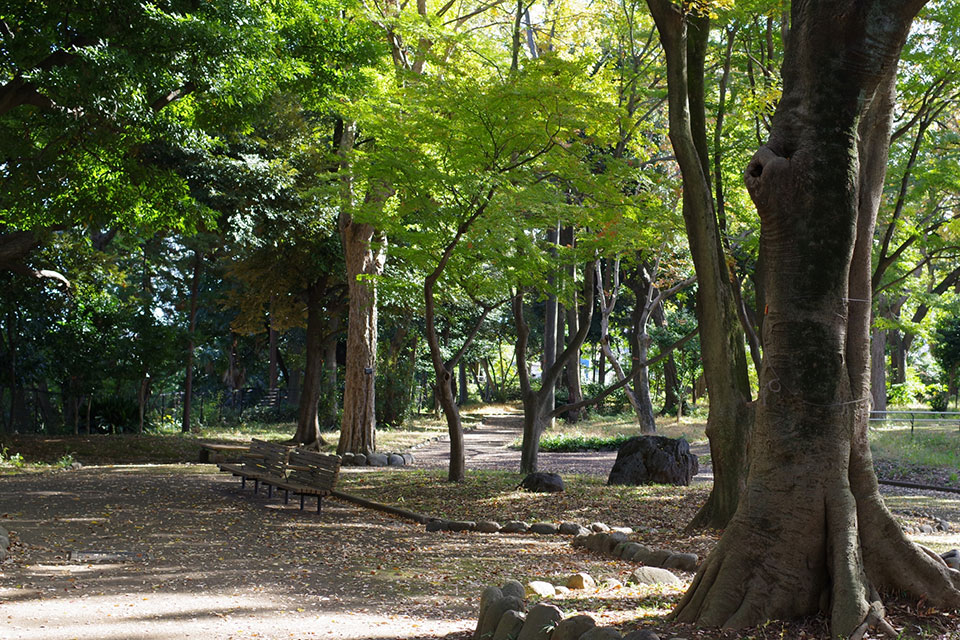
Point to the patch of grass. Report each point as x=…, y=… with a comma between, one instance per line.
x=568, y=442
x=626, y=424
x=926, y=446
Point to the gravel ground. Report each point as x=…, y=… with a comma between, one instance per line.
x=220, y=564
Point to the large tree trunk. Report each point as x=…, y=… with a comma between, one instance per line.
x=811, y=533
x=723, y=352
x=363, y=258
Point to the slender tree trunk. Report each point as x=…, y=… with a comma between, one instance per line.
x=308, y=423
x=364, y=255
x=272, y=364
x=723, y=352
x=143, y=394
x=550, y=314
x=608, y=302
x=191, y=347
x=878, y=370
x=814, y=534
x=572, y=376
x=535, y=410
x=462, y=385
x=331, y=405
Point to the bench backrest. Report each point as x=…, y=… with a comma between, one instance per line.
x=268, y=458
x=314, y=469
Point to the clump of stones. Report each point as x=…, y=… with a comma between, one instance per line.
x=376, y=459
x=505, y=615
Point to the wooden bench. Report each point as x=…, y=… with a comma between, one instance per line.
x=308, y=474
x=216, y=452
x=264, y=462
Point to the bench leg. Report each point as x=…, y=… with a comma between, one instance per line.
x=319, y=502
x=243, y=482
x=269, y=490
x=256, y=485
x=286, y=496
x=301, y=502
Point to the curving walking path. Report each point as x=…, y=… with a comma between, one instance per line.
x=488, y=447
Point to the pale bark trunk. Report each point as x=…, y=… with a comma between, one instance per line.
x=608, y=303
x=811, y=533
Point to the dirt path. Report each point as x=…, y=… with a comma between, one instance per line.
x=218, y=564
x=488, y=447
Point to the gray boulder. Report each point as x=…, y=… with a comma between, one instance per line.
x=580, y=541
x=377, y=460
x=493, y=613
x=461, y=525
x=572, y=529
x=488, y=526
x=515, y=526
x=542, y=482
x=544, y=528
x=599, y=527
x=509, y=626
x=682, y=561
x=437, y=525
x=952, y=558
x=640, y=553
x=395, y=460
x=359, y=459
x=641, y=634
x=541, y=620
x=573, y=627
x=348, y=459
x=487, y=598
x=407, y=458
x=653, y=575
x=654, y=460
x=513, y=588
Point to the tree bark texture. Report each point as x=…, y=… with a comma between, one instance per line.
x=363, y=258
x=724, y=355
x=811, y=532
x=308, y=424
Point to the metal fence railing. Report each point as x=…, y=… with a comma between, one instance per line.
x=916, y=418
